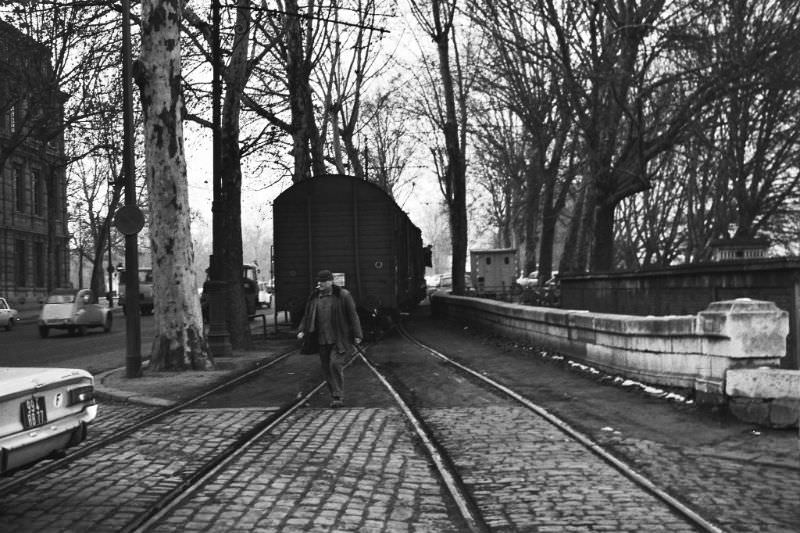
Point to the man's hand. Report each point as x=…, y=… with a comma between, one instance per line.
x=357, y=340
x=300, y=334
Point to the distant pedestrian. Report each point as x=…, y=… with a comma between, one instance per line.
x=330, y=314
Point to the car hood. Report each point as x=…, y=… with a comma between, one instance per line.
x=57, y=311
x=25, y=378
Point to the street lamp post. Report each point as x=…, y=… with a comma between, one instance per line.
x=216, y=289
x=133, y=355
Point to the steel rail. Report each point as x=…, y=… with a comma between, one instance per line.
x=187, y=488
x=449, y=476
x=179, y=494
x=586, y=441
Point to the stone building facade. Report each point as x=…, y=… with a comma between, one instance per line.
x=34, y=236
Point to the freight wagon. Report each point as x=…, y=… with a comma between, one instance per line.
x=357, y=231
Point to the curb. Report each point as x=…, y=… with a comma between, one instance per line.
x=101, y=391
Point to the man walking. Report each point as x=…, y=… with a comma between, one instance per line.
x=330, y=314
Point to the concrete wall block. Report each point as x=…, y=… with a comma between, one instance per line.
x=686, y=345
x=750, y=409
x=578, y=319
x=763, y=383
x=744, y=328
x=784, y=413
x=583, y=334
x=654, y=344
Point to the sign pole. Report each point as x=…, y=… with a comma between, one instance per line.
x=133, y=353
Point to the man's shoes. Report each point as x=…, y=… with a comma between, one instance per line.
x=337, y=402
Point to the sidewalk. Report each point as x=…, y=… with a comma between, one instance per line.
x=170, y=388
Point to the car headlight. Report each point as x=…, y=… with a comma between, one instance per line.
x=81, y=395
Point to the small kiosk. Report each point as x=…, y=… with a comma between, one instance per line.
x=494, y=271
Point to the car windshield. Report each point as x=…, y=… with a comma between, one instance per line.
x=61, y=298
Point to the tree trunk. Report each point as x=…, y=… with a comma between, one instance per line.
x=603, y=252
x=306, y=142
x=179, y=343
x=531, y=216
x=232, y=260
x=549, y=217
x=579, y=241
x=456, y=164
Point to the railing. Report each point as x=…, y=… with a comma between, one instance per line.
x=540, y=296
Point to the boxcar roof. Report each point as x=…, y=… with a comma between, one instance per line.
x=301, y=188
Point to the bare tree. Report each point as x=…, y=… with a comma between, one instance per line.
x=519, y=72
x=388, y=143
x=638, y=75
x=343, y=76
x=736, y=162
x=448, y=113
x=179, y=342
x=501, y=164
x=651, y=231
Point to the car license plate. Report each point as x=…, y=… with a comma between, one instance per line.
x=33, y=412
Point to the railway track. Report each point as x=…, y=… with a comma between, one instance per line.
x=455, y=441
x=646, y=485
x=23, y=476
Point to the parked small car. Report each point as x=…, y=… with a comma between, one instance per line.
x=445, y=283
x=264, y=294
x=531, y=280
x=74, y=310
x=42, y=411
x=8, y=316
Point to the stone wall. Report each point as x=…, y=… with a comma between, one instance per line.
x=698, y=352
x=689, y=289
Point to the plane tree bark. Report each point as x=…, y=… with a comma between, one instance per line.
x=179, y=342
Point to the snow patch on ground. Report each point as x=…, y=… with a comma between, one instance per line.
x=617, y=380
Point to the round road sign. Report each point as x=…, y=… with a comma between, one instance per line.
x=129, y=219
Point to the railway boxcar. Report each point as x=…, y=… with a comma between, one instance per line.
x=356, y=230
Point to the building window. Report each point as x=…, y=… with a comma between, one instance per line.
x=488, y=260
x=20, y=264
x=38, y=193
x=19, y=180
x=12, y=120
x=39, y=264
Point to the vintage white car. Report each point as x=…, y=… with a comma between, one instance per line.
x=74, y=310
x=42, y=411
x=264, y=294
x=8, y=316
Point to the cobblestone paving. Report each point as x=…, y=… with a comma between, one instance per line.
x=741, y=485
x=107, y=489
x=724, y=488
x=525, y=475
x=323, y=470
x=112, y=417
